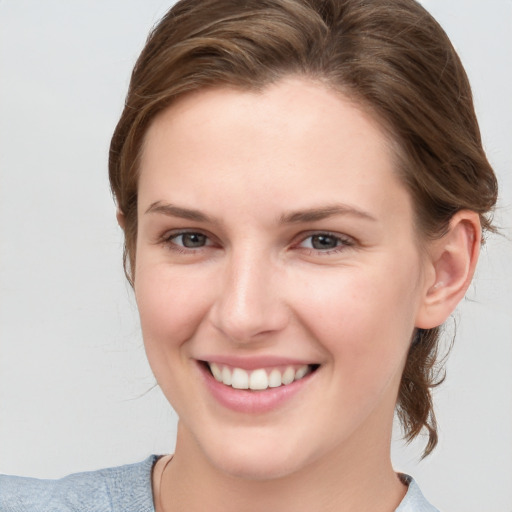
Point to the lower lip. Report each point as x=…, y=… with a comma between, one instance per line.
x=253, y=402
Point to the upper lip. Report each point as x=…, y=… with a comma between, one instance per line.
x=253, y=362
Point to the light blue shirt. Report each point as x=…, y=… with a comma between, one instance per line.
x=122, y=489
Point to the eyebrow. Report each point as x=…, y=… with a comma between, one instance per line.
x=172, y=210
x=294, y=217
x=321, y=213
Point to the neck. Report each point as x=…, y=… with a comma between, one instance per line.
x=353, y=478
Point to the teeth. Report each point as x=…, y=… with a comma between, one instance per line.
x=226, y=376
x=275, y=379
x=239, y=379
x=301, y=372
x=217, y=372
x=259, y=379
x=288, y=376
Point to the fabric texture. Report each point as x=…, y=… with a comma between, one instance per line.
x=414, y=501
x=122, y=489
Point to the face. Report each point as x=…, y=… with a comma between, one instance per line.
x=276, y=251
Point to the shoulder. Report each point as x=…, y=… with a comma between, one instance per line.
x=121, y=489
x=414, y=501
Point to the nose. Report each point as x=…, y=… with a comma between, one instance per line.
x=250, y=304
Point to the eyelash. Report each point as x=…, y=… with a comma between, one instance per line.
x=168, y=240
x=343, y=242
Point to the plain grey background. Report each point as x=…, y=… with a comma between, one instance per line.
x=75, y=390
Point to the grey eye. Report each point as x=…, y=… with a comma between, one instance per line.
x=322, y=242
x=191, y=240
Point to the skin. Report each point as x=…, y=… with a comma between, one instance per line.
x=261, y=286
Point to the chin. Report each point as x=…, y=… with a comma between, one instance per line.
x=256, y=468
x=249, y=459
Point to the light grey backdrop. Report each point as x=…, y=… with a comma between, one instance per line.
x=75, y=390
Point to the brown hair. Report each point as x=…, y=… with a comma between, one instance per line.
x=390, y=56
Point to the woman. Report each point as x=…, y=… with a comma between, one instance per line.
x=303, y=190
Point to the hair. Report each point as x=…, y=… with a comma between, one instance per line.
x=390, y=56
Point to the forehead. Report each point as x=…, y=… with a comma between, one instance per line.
x=296, y=139
x=292, y=106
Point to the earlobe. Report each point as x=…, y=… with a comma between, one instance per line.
x=453, y=260
x=121, y=219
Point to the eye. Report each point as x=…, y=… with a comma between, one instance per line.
x=186, y=240
x=190, y=240
x=322, y=242
x=326, y=242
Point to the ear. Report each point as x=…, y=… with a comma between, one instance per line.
x=121, y=219
x=450, y=267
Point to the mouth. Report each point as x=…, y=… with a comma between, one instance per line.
x=259, y=379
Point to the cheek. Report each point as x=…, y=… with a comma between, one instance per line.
x=364, y=318
x=171, y=306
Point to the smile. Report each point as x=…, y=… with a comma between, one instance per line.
x=259, y=379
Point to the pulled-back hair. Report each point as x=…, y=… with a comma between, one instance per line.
x=390, y=56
